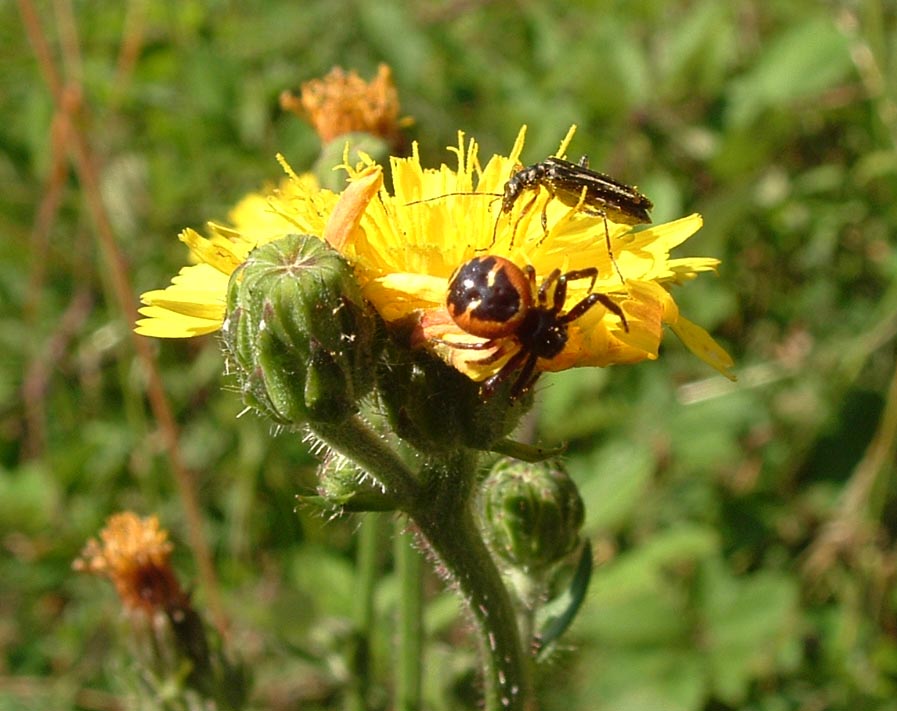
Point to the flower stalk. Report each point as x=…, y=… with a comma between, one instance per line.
x=410, y=628
x=355, y=440
x=369, y=539
x=445, y=519
x=439, y=504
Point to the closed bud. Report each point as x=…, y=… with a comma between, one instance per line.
x=298, y=333
x=532, y=513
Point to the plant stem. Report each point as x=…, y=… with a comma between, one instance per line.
x=409, y=569
x=439, y=504
x=354, y=439
x=444, y=516
x=369, y=535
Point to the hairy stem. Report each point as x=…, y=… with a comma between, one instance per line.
x=438, y=502
x=355, y=440
x=444, y=516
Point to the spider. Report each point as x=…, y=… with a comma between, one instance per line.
x=493, y=298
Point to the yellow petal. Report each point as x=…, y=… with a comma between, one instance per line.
x=162, y=323
x=701, y=343
x=397, y=295
x=185, y=302
x=218, y=254
x=346, y=216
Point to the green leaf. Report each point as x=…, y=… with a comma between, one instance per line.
x=555, y=617
x=643, y=568
x=612, y=484
x=804, y=61
x=643, y=679
x=751, y=627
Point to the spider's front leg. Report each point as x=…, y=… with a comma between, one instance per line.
x=522, y=357
x=588, y=302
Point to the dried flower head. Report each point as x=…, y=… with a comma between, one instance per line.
x=342, y=102
x=134, y=554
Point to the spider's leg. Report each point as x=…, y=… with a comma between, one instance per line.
x=527, y=378
x=561, y=289
x=467, y=346
x=499, y=353
x=490, y=384
x=530, y=272
x=501, y=346
x=588, y=303
x=587, y=273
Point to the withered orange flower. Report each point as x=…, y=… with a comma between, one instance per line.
x=134, y=554
x=342, y=102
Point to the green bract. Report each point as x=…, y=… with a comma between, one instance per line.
x=298, y=334
x=343, y=486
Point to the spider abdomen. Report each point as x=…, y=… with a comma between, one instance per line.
x=489, y=297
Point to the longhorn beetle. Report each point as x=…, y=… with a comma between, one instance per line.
x=573, y=184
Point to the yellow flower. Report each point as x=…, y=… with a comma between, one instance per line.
x=406, y=246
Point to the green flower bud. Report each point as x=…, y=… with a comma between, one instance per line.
x=342, y=486
x=531, y=513
x=436, y=408
x=298, y=334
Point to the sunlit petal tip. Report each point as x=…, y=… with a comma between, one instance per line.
x=217, y=253
x=701, y=343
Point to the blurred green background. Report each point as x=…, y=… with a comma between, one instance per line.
x=745, y=534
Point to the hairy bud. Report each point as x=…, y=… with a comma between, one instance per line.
x=531, y=512
x=298, y=334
